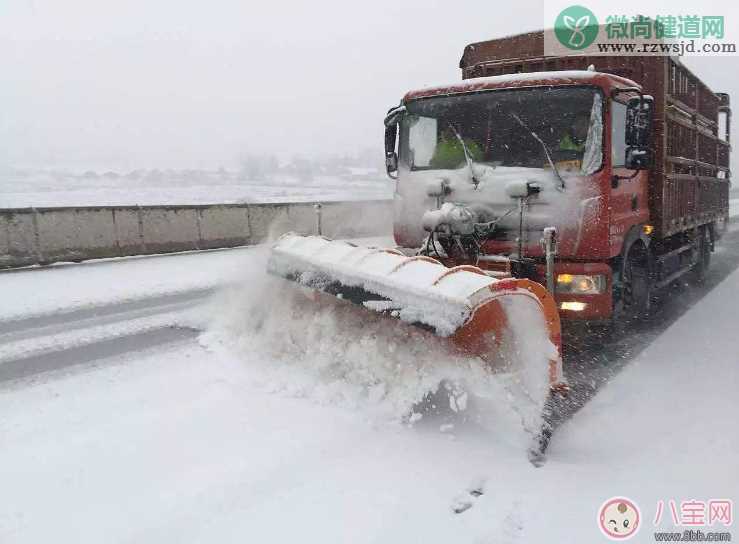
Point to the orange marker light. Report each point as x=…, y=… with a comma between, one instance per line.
x=565, y=278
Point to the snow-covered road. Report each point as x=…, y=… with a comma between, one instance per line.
x=121, y=422
x=67, y=315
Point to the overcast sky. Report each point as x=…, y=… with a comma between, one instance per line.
x=160, y=83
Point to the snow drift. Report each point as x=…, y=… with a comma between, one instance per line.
x=336, y=353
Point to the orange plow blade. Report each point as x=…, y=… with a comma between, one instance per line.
x=510, y=324
x=501, y=335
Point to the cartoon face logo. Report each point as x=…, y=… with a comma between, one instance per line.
x=618, y=518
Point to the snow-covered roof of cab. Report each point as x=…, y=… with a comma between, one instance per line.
x=531, y=79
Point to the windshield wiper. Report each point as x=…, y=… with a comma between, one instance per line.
x=467, y=156
x=546, y=150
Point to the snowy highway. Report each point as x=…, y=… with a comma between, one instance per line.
x=140, y=404
x=348, y=273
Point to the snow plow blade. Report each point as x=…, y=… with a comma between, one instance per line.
x=462, y=304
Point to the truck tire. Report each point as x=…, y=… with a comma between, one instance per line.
x=635, y=298
x=700, y=268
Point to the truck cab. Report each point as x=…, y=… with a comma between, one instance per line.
x=559, y=136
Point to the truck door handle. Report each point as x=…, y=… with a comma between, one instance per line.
x=634, y=203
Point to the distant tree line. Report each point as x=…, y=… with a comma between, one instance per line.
x=251, y=167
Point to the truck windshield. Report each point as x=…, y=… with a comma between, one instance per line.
x=495, y=128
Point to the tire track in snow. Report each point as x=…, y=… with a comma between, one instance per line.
x=32, y=365
x=37, y=325
x=44, y=343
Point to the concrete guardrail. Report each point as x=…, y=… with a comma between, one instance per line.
x=46, y=235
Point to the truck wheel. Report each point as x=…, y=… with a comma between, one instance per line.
x=698, y=274
x=635, y=300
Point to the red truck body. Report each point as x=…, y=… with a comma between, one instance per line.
x=664, y=218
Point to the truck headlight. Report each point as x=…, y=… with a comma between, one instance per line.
x=578, y=284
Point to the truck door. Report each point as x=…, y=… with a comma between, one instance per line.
x=628, y=200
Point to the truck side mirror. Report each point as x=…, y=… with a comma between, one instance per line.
x=638, y=158
x=639, y=112
x=391, y=163
x=391, y=157
x=391, y=136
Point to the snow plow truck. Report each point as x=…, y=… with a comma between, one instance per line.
x=537, y=189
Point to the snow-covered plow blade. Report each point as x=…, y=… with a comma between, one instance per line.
x=476, y=313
